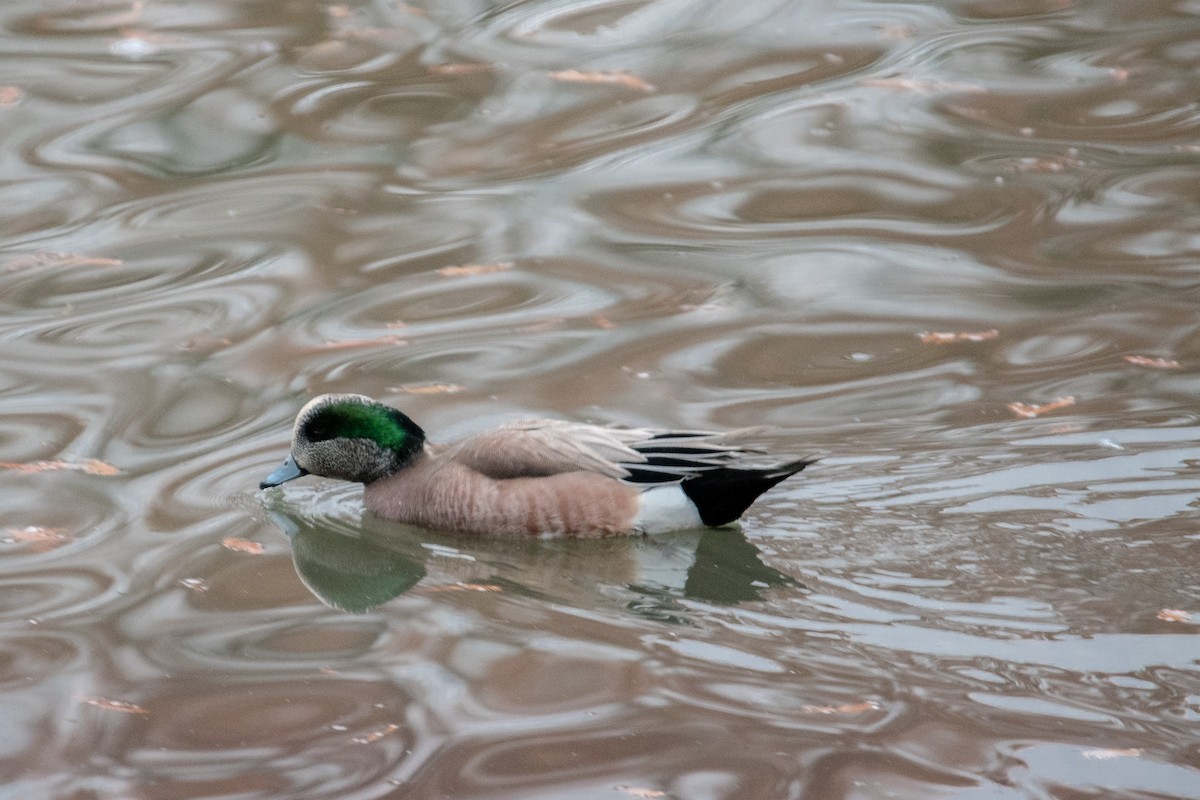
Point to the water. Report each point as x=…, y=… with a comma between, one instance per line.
x=704, y=215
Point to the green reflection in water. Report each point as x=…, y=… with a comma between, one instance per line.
x=355, y=569
x=348, y=572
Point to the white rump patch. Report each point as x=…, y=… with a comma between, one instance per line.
x=666, y=508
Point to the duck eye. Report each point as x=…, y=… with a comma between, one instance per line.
x=319, y=429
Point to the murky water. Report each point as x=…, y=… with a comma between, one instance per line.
x=870, y=225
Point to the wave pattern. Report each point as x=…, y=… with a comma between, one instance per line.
x=952, y=247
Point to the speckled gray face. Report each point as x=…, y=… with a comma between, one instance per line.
x=360, y=460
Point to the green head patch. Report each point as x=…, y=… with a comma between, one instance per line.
x=352, y=419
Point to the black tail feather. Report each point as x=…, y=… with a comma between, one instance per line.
x=723, y=494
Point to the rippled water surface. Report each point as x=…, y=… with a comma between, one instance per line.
x=952, y=247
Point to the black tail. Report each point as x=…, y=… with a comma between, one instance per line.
x=722, y=495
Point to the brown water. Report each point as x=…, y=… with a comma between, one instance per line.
x=697, y=214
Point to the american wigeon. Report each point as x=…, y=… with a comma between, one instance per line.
x=535, y=477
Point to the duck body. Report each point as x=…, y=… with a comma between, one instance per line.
x=533, y=477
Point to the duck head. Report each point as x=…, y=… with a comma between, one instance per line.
x=350, y=437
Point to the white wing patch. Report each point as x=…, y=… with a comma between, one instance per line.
x=666, y=508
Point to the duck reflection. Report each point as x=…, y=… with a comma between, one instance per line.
x=349, y=572
x=355, y=569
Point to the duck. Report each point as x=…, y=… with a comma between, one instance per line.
x=532, y=478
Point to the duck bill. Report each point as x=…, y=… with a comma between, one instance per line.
x=287, y=471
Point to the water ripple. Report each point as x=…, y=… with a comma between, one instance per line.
x=41, y=653
x=142, y=332
x=816, y=205
x=700, y=215
x=39, y=595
